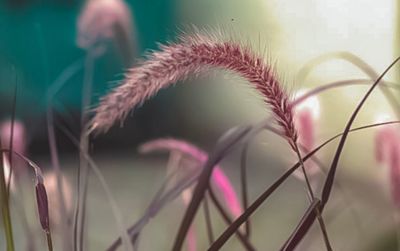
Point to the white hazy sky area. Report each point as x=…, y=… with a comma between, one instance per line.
x=312, y=27
x=296, y=31
x=309, y=28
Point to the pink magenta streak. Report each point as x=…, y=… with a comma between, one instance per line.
x=387, y=150
x=218, y=177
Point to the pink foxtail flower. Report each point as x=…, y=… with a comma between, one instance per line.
x=192, y=56
x=387, y=151
x=219, y=179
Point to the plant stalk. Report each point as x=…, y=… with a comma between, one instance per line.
x=311, y=193
x=5, y=208
x=396, y=41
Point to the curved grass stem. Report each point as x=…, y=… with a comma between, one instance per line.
x=243, y=181
x=313, y=199
x=225, y=236
x=49, y=241
x=208, y=220
x=55, y=87
x=242, y=237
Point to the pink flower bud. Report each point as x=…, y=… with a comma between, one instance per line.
x=102, y=20
x=43, y=206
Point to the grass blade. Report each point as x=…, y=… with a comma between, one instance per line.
x=332, y=171
x=41, y=195
x=13, y=111
x=242, y=238
x=54, y=88
x=222, y=148
x=224, y=237
x=5, y=208
x=331, y=175
x=208, y=220
x=306, y=220
x=114, y=207
x=243, y=182
x=159, y=202
x=356, y=61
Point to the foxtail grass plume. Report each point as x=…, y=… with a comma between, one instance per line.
x=387, y=151
x=219, y=179
x=104, y=20
x=191, y=56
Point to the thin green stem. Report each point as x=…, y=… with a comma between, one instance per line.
x=311, y=193
x=5, y=208
x=242, y=238
x=396, y=41
x=49, y=241
x=84, y=143
x=54, y=88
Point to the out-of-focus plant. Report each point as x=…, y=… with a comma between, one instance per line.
x=194, y=55
x=193, y=175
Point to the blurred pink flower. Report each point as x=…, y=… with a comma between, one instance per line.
x=305, y=127
x=305, y=119
x=385, y=140
x=18, y=145
x=19, y=136
x=394, y=164
x=102, y=20
x=387, y=151
x=191, y=239
x=219, y=179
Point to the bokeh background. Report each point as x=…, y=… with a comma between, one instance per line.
x=38, y=42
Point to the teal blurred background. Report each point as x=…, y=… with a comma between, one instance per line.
x=38, y=41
